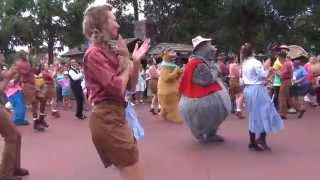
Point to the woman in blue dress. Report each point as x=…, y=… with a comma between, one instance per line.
x=132, y=118
x=263, y=117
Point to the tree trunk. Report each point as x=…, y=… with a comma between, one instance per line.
x=136, y=9
x=50, y=48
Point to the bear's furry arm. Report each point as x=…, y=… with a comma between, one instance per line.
x=202, y=75
x=174, y=75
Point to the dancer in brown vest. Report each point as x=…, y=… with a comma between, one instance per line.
x=10, y=165
x=30, y=93
x=25, y=71
x=41, y=96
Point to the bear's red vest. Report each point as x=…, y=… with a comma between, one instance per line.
x=189, y=89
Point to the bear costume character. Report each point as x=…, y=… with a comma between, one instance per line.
x=168, y=87
x=205, y=102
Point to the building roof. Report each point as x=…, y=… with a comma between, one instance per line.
x=129, y=40
x=155, y=50
x=180, y=48
x=77, y=51
x=74, y=52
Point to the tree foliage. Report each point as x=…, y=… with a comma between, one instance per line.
x=228, y=22
x=73, y=35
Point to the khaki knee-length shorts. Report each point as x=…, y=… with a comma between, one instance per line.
x=112, y=136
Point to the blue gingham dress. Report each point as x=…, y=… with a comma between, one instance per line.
x=133, y=121
x=263, y=117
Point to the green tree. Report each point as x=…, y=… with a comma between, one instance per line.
x=32, y=23
x=48, y=16
x=73, y=18
x=15, y=28
x=12, y=21
x=229, y=22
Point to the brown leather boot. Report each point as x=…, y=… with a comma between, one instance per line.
x=42, y=121
x=263, y=141
x=38, y=126
x=253, y=145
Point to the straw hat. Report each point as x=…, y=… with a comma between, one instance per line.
x=296, y=52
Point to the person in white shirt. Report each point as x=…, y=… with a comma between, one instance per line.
x=263, y=117
x=76, y=77
x=141, y=85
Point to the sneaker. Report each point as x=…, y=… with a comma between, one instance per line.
x=306, y=99
x=292, y=111
x=314, y=104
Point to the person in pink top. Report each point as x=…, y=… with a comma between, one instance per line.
x=10, y=168
x=236, y=89
x=25, y=72
x=310, y=97
x=14, y=93
x=66, y=90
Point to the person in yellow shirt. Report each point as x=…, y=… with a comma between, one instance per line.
x=276, y=82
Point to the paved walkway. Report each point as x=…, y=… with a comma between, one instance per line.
x=65, y=152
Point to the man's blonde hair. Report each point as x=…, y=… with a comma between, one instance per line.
x=94, y=18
